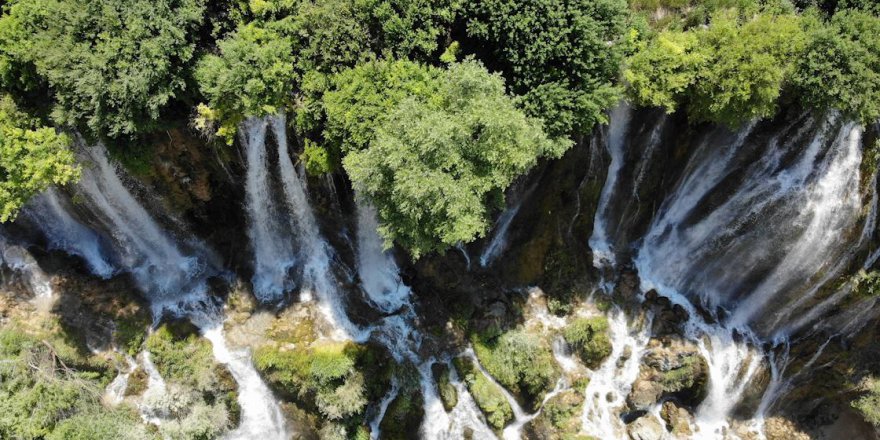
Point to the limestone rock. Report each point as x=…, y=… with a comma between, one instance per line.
x=645, y=428
x=678, y=419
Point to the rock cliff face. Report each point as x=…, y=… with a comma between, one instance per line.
x=696, y=224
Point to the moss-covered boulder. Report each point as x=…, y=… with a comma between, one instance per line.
x=448, y=393
x=488, y=397
x=672, y=368
x=588, y=338
x=336, y=380
x=520, y=361
x=405, y=413
x=560, y=418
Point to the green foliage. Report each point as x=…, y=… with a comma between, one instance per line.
x=869, y=403
x=186, y=359
x=253, y=75
x=112, y=66
x=294, y=46
x=405, y=414
x=488, y=397
x=48, y=390
x=748, y=66
x=32, y=158
x=520, y=361
x=561, y=56
x=130, y=334
x=120, y=424
x=661, y=73
x=866, y=283
x=328, y=376
x=588, y=338
x=437, y=165
x=730, y=72
x=363, y=98
x=840, y=68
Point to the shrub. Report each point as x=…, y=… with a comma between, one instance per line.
x=488, y=397
x=588, y=338
x=520, y=361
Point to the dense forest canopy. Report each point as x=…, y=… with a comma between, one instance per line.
x=431, y=108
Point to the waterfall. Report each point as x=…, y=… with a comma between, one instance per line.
x=379, y=273
x=499, y=239
x=261, y=415
x=315, y=253
x=611, y=383
x=271, y=242
x=777, y=227
x=163, y=272
x=19, y=260
x=173, y=279
x=65, y=233
x=618, y=127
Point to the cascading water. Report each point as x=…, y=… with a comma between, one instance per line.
x=270, y=239
x=261, y=415
x=19, y=260
x=173, y=281
x=737, y=233
x=610, y=384
x=378, y=271
x=602, y=252
x=65, y=233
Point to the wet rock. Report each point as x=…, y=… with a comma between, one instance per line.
x=779, y=428
x=678, y=419
x=645, y=428
x=645, y=392
x=448, y=393
x=627, y=288
x=672, y=368
x=559, y=418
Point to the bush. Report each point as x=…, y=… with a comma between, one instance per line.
x=488, y=397
x=337, y=379
x=840, y=68
x=588, y=338
x=869, y=403
x=520, y=361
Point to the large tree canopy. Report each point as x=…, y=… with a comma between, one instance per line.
x=112, y=66
x=562, y=56
x=440, y=162
x=31, y=159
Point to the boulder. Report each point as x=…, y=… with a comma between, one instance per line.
x=645, y=428
x=678, y=420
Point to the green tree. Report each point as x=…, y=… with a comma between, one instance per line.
x=661, y=73
x=113, y=66
x=562, y=56
x=729, y=72
x=748, y=66
x=253, y=75
x=438, y=165
x=32, y=158
x=840, y=68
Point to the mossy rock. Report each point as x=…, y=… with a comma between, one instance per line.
x=334, y=379
x=404, y=416
x=520, y=361
x=588, y=338
x=448, y=393
x=560, y=418
x=488, y=397
x=138, y=381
